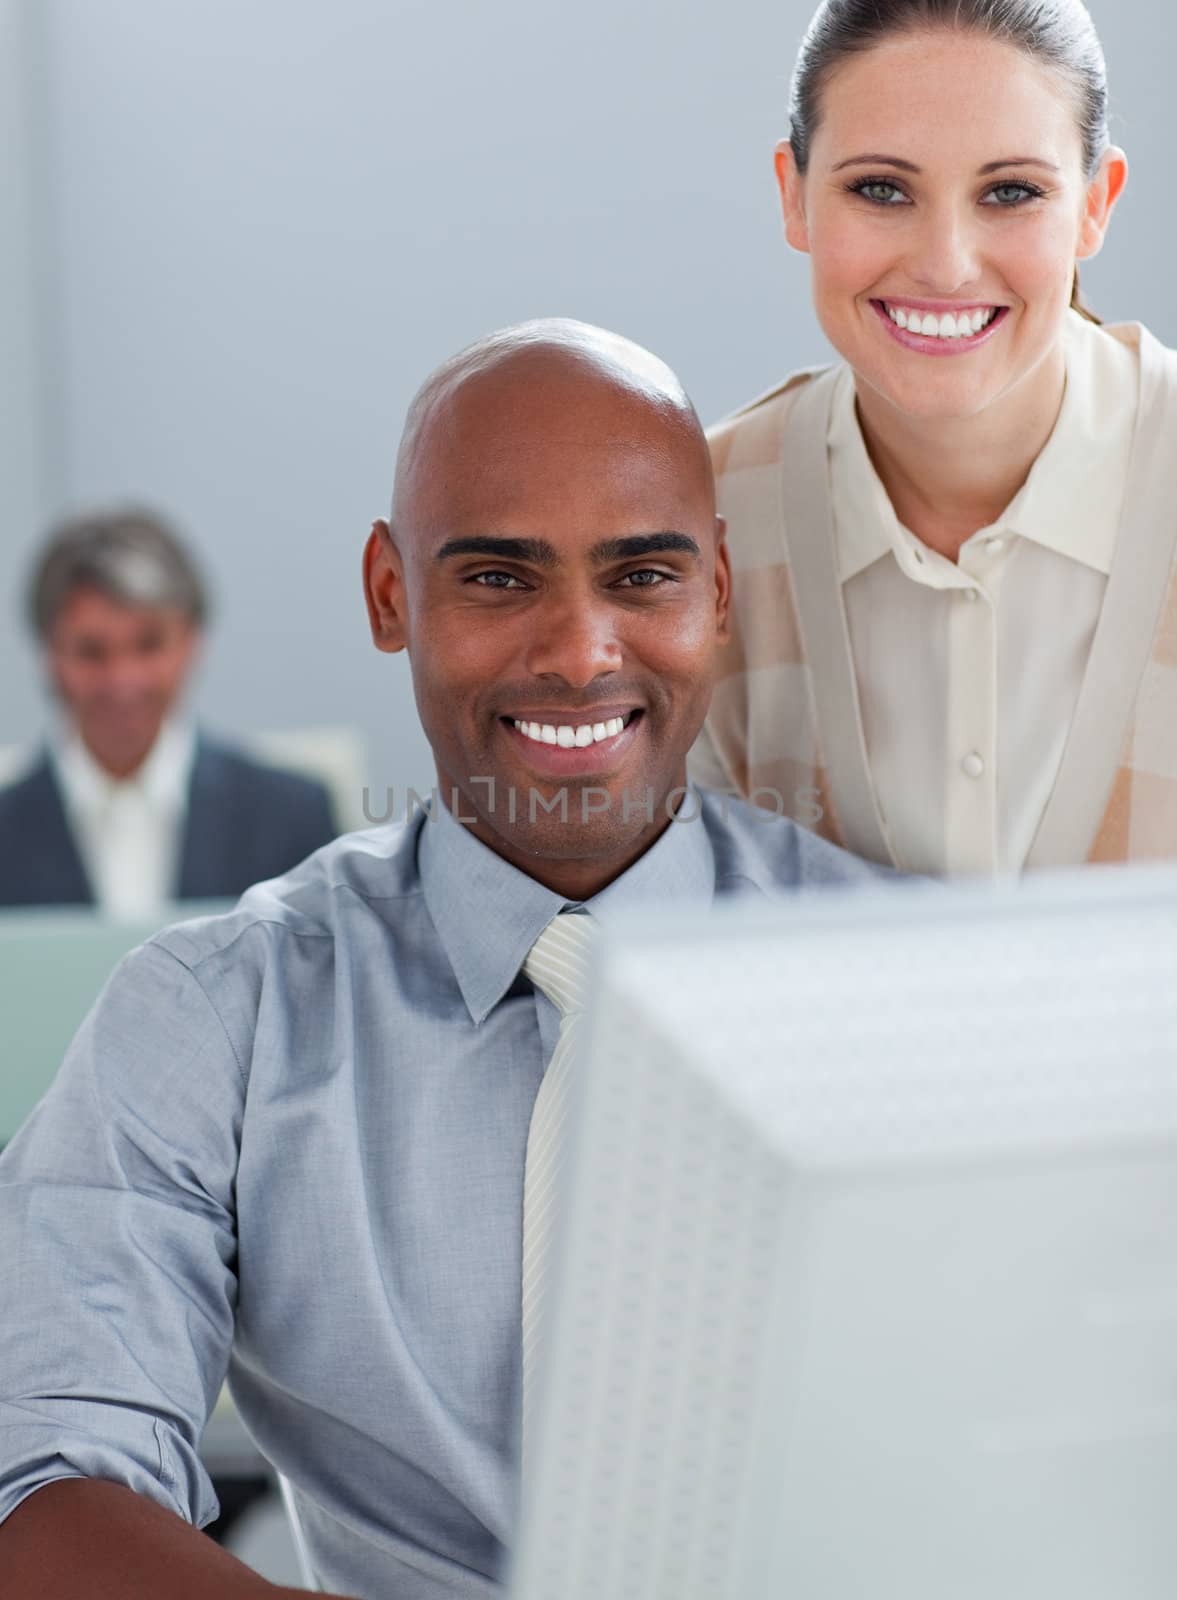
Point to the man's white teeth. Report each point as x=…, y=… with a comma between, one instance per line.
x=567, y=736
x=947, y=326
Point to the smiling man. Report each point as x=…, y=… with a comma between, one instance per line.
x=555, y=569
x=130, y=806
x=291, y=1141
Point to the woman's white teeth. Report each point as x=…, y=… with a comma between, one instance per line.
x=943, y=327
x=566, y=736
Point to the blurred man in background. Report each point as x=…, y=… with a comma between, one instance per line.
x=130, y=807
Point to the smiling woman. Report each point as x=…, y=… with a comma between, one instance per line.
x=954, y=606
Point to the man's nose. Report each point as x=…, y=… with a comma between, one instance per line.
x=574, y=640
x=127, y=675
x=946, y=259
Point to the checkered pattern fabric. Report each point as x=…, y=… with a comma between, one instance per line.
x=763, y=732
x=1140, y=823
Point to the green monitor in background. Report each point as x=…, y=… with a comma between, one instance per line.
x=52, y=966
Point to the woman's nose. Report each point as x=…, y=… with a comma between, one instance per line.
x=946, y=257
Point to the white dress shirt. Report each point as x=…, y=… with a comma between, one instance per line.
x=129, y=831
x=968, y=673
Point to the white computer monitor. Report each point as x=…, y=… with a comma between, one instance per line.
x=867, y=1282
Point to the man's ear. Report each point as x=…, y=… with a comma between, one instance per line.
x=792, y=187
x=384, y=590
x=1102, y=193
x=723, y=583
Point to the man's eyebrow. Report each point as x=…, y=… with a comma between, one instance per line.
x=643, y=544
x=536, y=552
x=539, y=553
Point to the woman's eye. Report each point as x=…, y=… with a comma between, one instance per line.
x=881, y=191
x=1013, y=194
x=496, y=580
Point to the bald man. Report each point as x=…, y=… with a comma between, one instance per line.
x=290, y=1141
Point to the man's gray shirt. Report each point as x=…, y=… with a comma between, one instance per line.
x=288, y=1142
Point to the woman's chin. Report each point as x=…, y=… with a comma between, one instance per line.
x=928, y=397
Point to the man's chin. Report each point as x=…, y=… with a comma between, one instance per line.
x=578, y=821
x=121, y=744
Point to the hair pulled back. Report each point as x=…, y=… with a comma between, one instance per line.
x=1058, y=33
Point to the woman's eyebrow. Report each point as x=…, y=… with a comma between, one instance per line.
x=910, y=166
x=876, y=161
x=1018, y=161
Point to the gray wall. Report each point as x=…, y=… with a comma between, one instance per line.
x=25, y=470
x=233, y=237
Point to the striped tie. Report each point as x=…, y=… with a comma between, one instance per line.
x=558, y=965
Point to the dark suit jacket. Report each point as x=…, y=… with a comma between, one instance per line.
x=244, y=822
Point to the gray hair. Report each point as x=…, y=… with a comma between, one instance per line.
x=131, y=556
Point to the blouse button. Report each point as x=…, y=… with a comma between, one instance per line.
x=972, y=766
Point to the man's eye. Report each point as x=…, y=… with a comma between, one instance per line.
x=497, y=580
x=645, y=578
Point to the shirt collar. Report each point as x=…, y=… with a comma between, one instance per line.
x=865, y=525
x=162, y=778
x=1071, y=501
x=488, y=914
x=164, y=775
